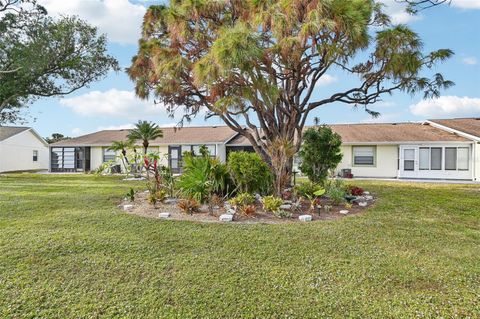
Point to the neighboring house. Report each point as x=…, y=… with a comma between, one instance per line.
x=429, y=150
x=89, y=151
x=22, y=149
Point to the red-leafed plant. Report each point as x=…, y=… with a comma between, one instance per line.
x=355, y=190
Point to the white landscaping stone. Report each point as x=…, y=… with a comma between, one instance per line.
x=305, y=218
x=226, y=218
x=258, y=197
x=170, y=201
x=286, y=206
x=164, y=215
x=230, y=211
x=366, y=193
x=362, y=204
x=344, y=212
x=368, y=197
x=227, y=206
x=127, y=207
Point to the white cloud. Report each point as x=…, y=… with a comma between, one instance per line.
x=326, y=79
x=397, y=12
x=469, y=60
x=466, y=4
x=451, y=106
x=120, y=19
x=116, y=127
x=113, y=104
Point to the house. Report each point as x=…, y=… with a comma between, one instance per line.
x=22, y=149
x=428, y=150
x=89, y=151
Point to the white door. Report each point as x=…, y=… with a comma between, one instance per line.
x=409, y=162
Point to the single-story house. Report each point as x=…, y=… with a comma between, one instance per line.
x=432, y=149
x=22, y=149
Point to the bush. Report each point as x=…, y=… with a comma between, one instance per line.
x=354, y=190
x=309, y=190
x=243, y=199
x=130, y=195
x=189, y=206
x=249, y=172
x=203, y=176
x=282, y=213
x=271, y=203
x=248, y=210
x=320, y=152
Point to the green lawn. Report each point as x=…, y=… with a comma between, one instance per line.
x=67, y=252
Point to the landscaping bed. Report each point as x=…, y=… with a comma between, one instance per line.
x=140, y=206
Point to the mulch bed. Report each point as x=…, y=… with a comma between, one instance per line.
x=141, y=207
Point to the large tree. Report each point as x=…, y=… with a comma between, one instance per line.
x=41, y=56
x=256, y=64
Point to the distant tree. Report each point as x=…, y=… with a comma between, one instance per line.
x=56, y=137
x=256, y=64
x=41, y=56
x=145, y=132
x=320, y=152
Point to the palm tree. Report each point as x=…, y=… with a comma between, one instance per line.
x=145, y=131
x=122, y=146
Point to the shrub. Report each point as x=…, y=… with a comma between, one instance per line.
x=320, y=152
x=309, y=189
x=243, y=199
x=336, y=195
x=203, y=176
x=282, y=213
x=130, y=195
x=271, y=203
x=189, y=205
x=158, y=196
x=249, y=172
x=248, y=210
x=354, y=190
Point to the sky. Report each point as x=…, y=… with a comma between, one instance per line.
x=112, y=104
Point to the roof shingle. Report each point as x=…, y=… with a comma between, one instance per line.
x=467, y=125
x=9, y=131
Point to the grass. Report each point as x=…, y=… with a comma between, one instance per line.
x=67, y=252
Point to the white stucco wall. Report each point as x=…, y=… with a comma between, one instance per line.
x=96, y=157
x=16, y=153
x=477, y=161
x=385, y=162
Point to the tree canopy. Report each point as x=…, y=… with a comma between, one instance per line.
x=41, y=56
x=256, y=64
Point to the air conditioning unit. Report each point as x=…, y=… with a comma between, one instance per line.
x=346, y=173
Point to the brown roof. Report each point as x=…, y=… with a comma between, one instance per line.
x=9, y=131
x=392, y=133
x=383, y=133
x=467, y=125
x=185, y=135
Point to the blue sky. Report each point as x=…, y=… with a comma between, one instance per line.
x=111, y=103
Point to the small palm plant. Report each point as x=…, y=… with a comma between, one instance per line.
x=122, y=146
x=145, y=131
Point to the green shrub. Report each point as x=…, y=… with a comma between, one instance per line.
x=309, y=190
x=320, y=152
x=243, y=199
x=336, y=195
x=271, y=203
x=249, y=172
x=282, y=213
x=130, y=195
x=203, y=176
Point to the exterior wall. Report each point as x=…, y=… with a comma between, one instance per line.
x=386, y=162
x=96, y=157
x=221, y=152
x=436, y=174
x=16, y=153
x=477, y=161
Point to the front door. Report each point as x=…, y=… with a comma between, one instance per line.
x=174, y=158
x=409, y=162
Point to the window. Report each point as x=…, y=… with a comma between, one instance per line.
x=35, y=156
x=62, y=158
x=108, y=155
x=195, y=149
x=408, y=159
x=450, y=158
x=436, y=158
x=364, y=155
x=424, y=158
x=463, y=159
